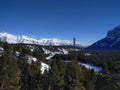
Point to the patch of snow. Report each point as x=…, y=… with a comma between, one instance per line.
x=17, y=53
x=96, y=68
x=1, y=49
x=31, y=48
x=50, y=56
x=46, y=51
x=59, y=49
x=31, y=59
x=44, y=67
x=64, y=51
x=87, y=54
x=34, y=59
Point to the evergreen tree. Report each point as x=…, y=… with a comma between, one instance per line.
x=73, y=77
x=54, y=76
x=106, y=70
x=31, y=75
x=45, y=80
x=90, y=79
x=9, y=72
x=54, y=79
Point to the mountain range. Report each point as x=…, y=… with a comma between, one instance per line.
x=13, y=39
x=110, y=42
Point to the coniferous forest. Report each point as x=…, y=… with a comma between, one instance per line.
x=17, y=72
x=59, y=44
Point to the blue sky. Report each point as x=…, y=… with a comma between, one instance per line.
x=87, y=20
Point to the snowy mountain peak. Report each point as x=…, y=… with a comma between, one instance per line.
x=9, y=38
x=5, y=37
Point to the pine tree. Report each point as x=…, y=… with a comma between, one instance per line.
x=9, y=72
x=31, y=75
x=73, y=77
x=106, y=70
x=90, y=79
x=54, y=75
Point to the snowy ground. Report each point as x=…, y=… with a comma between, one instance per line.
x=31, y=59
x=63, y=51
x=87, y=54
x=1, y=49
x=31, y=48
x=44, y=67
x=96, y=68
x=17, y=53
x=51, y=54
x=46, y=51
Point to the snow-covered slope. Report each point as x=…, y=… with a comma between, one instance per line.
x=9, y=38
x=111, y=41
x=44, y=67
x=96, y=68
x=52, y=53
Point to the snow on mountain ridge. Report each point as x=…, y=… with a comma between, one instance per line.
x=111, y=41
x=9, y=38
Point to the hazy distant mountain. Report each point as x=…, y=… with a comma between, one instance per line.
x=111, y=41
x=9, y=38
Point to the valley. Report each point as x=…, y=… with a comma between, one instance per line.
x=52, y=63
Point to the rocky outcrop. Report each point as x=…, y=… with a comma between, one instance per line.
x=111, y=41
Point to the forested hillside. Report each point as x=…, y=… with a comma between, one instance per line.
x=26, y=67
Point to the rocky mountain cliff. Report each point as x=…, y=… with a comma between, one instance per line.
x=111, y=41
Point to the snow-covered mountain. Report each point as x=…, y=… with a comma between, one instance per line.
x=111, y=41
x=12, y=39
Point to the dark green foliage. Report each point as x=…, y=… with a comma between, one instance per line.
x=106, y=83
x=106, y=69
x=90, y=79
x=74, y=77
x=56, y=75
x=31, y=75
x=9, y=71
x=17, y=74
